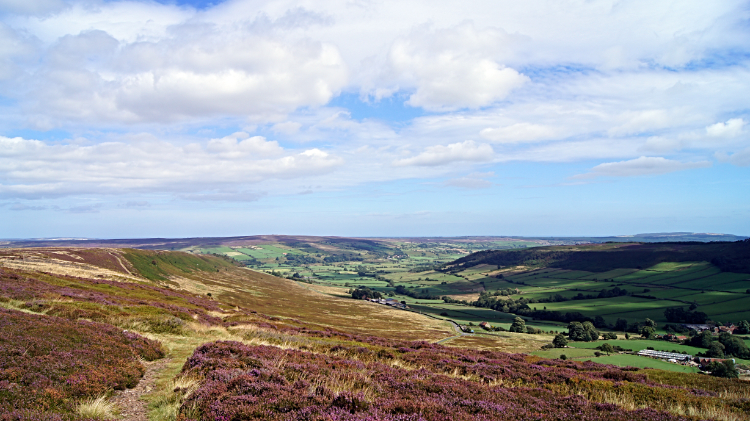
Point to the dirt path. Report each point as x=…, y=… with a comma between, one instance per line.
x=132, y=407
x=121, y=264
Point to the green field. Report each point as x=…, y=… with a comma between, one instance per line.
x=388, y=264
x=639, y=344
x=624, y=360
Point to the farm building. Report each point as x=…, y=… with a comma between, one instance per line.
x=728, y=329
x=698, y=327
x=662, y=355
x=485, y=325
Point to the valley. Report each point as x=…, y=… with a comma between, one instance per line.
x=290, y=305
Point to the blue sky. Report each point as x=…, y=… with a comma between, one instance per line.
x=145, y=119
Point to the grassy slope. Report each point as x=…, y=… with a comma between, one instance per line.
x=159, y=266
x=729, y=257
x=237, y=294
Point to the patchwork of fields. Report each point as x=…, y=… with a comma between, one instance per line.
x=723, y=296
x=416, y=266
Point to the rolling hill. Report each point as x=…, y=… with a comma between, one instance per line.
x=213, y=339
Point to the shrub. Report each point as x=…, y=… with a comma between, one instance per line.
x=314, y=386
x=47, y=364
x=724, y=369
x=560, y=341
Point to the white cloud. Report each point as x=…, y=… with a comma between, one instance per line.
x=196, y=71
x=579, y=81
x=241, y=144
x=641, y=166
x=455, y=152
x=519, y=132
x=732, y=128
x=287, y=127
x=641, y=121
x=35, y=169
x=661, y=144
x=452, y=68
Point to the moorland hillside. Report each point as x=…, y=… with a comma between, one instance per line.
x=727, y=256
x=81, y=324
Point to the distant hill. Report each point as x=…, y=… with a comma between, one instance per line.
x=201, y=242
x=659, y=237
x=727, y=256
x=351, y=243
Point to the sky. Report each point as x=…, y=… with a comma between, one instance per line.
x=131, y=119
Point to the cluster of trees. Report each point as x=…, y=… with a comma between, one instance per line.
x=361, y=293
x=521, y=307
x=648, y=329
x=299, y=259
x=723, y=369
x=743, y=328
x=585, y=332
x=519, y=326
x=343, y=258
x=604, y=293
x=423, y=294
x=680, y=315
x=719, y=347
x=502, y=292
x=560, y=341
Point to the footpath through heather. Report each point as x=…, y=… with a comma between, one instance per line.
x=129, y=401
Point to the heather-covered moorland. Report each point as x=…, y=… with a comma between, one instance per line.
x=47, y=364
x=267, y=348
x=424, y=381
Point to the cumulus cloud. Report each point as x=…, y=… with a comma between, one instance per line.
x=732, y=128
x=452, y=68
x=203, y=71
x=519, y=132
x=583, y=81
x=36, y=169
x=641, y=166
x=455, y=152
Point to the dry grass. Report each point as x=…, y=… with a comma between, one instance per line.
x=330, y=290
x=628, y=402
x=39, y=260
x=284, y=298
x=505, y=342
x=99, y=409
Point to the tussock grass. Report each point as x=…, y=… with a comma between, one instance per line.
x=704, y=410
x=99, y=408
x=166, y=402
